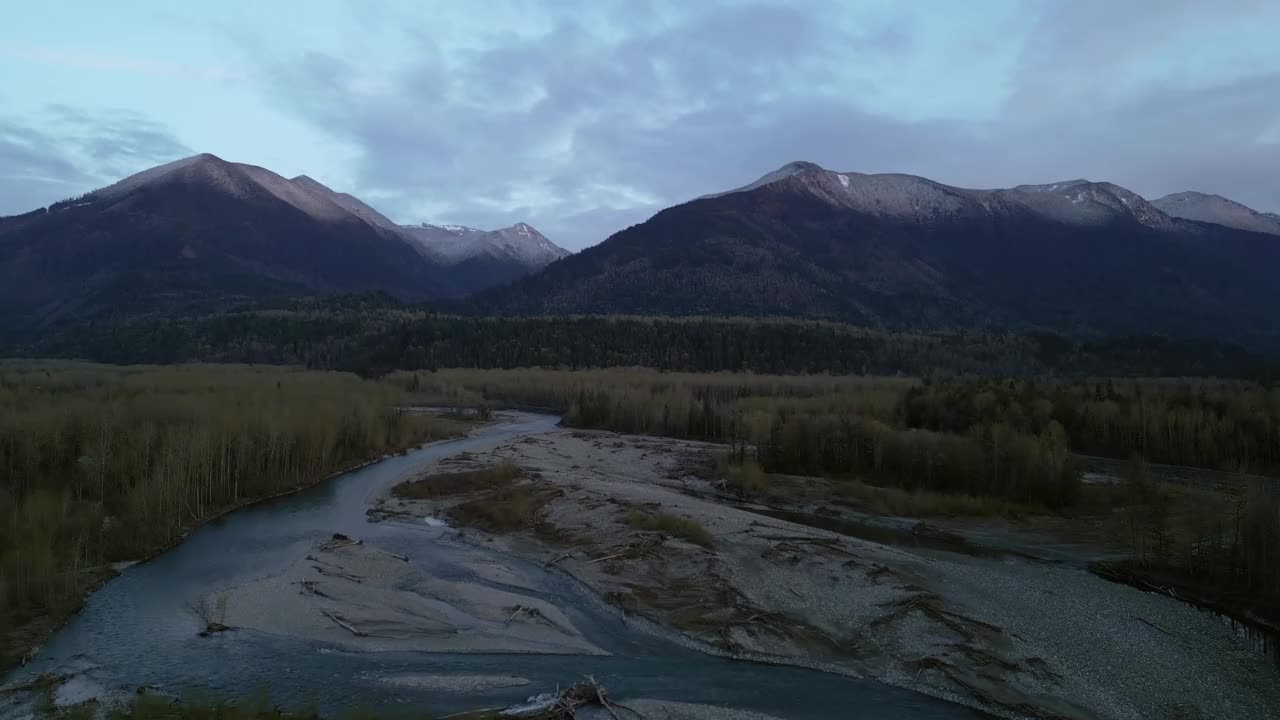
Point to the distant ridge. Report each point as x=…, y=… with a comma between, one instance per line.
x=1218, y=210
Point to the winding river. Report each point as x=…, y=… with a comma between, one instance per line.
x=137, y=629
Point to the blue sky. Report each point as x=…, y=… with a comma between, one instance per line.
x=584, y=117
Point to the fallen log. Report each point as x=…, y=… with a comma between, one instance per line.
x=558, y=558
x=334, y=573
x=607, y=557
x=346, y=626
x=401, y=558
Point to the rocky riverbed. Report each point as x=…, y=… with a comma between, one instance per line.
x=1004, y=629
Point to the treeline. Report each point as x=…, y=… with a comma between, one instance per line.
x=1001, y=440
x=1223, y=548
x=372, y=335
x=1222, y=425
x=99, y=464
x=817, y=425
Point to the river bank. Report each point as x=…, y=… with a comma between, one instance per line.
x=1021, y=633
x=22, y=643
x=143, y=631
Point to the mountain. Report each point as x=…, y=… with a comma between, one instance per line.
x=1218, y=210
x=905, y=252
x=201, y=232
x=493, y=257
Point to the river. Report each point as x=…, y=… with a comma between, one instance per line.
x=138, y=629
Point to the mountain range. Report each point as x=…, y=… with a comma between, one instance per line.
x=905, y=252
x=202, y=231
x=891, y=251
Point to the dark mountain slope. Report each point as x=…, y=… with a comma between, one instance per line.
x=198, y=229
x=905, y=252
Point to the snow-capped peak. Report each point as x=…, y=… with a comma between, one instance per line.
x=1218, y=210
x=520, y=243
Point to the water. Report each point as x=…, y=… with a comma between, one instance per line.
x=138, y=629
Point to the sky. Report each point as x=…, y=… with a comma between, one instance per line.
x=582, y=118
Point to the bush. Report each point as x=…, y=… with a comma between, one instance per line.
x=746, y=476
x=675, y=525
x=441, y=485
x=502, y=510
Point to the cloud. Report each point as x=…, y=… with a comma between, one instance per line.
x=582, y=123
x=64, y=151
x=578, y=126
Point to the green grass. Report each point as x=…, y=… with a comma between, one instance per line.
x=442, y=485
x=674, y=525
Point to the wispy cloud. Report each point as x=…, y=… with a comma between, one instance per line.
x=64, y=151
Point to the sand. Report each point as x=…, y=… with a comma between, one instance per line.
x=357, y=598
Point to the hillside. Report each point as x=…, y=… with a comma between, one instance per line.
x=203, y=234
x=905, y=252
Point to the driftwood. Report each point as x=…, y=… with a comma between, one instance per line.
x=534, y=614
x=832, y=544
x=564, y=704
x=339, y=541
x=558, y=558
x=931, y=606
x=212, y=617
x=310, y=587
x=345, y=625
x=647, y=546
x=334, y=573
x=606, y=557
x=878, y=571
x=1154, y=626
x=401, y=558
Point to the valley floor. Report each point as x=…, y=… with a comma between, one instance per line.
x=1002, y=620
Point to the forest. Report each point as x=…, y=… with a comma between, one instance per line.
x=374, y=334
x=1225, y=425
x=101, y=464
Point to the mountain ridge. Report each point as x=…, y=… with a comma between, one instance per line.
x=208, y=231
x=1219, y=210
x=907, y=252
